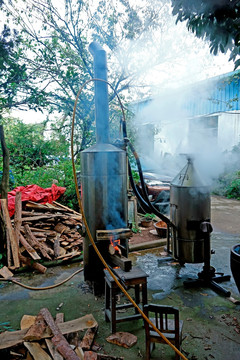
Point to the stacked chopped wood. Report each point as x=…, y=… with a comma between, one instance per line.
x=41, y=232
x=42, y=337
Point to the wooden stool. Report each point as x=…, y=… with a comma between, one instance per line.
x=134, y=279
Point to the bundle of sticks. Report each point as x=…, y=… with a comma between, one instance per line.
x=40, y=232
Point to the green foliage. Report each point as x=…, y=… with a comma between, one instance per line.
x=215, y=20
x=17, y=86
x=28, y=147
x=135, y=229
x=148, y=216
x=136, y=176
x=233, y=190
x=228, y=183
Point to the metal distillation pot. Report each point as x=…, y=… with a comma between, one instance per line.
x=189, y=207
x=103, y=173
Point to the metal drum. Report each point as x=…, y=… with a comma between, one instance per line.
x=189, y=207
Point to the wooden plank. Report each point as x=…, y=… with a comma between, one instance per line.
x=11, y=233
x=5, y=272
x=53, y=351
x=28, y=248
x=18, y=215
x=36, y=351
x=60, y=342
x=9, y=253
x=12, y=338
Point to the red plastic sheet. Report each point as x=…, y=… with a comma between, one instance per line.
x=34, y=193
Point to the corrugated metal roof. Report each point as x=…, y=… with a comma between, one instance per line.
x=218, y=94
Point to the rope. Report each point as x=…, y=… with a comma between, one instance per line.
x=88, y=230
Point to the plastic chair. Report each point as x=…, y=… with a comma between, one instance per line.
x=166, y=319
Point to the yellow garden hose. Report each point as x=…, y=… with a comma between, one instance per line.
x=88, y=230
x=44, y=287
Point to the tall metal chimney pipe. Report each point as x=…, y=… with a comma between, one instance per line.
x=101, y=93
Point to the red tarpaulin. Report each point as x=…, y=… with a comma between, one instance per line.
x=34, y=193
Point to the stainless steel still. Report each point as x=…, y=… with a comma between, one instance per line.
x=189, y=207
x=103, y=175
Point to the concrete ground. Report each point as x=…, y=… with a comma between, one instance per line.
x=211, y=322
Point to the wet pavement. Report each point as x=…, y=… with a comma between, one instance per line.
x=211, y=322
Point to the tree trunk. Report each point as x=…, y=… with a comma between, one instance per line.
x=4, y=186
x=5, y=176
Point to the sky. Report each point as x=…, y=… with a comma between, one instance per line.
x=170, y=58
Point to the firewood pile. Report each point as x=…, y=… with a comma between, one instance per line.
x=40, y=233
x=42, y=337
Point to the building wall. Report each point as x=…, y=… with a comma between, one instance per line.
x=228, y=130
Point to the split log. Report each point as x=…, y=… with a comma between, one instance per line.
x=27, y=321
x=124, y=263
x=60, y=228
x=69, y=255
x=18, y=215
x=29, y=249
x=90, y=355
x=79, y=353
x=58, y=339
x=116, y=233
x=34, y=243
x=11, y=233
x=40, y=235
x=88, y=338
x=32, y=264
x=34, y=205
x=56, y=246
x=35, y=213
x=36, y=331
x=59, y=318
x=43, y=217
x=124, y=339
